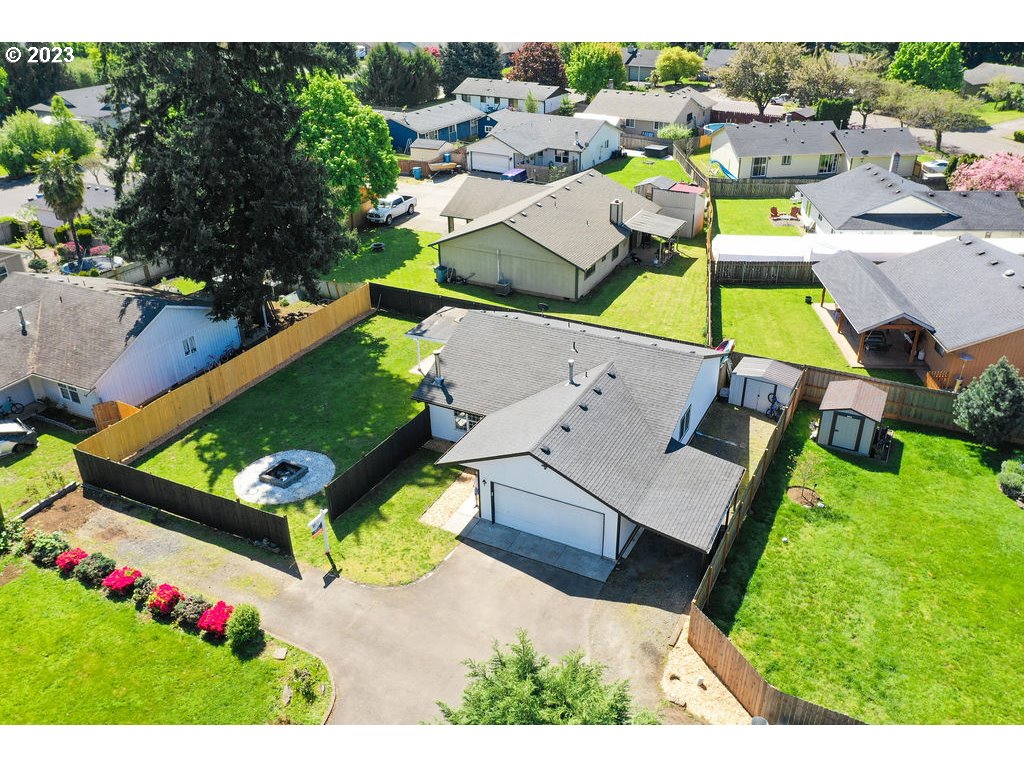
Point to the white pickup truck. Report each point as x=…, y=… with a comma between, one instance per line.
x=391, y=207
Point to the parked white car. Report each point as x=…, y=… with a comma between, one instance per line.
x=391, y=207
x=935, y=166
x=15, y=437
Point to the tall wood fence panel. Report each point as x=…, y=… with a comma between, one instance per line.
x=763, y=272
x=111, y=412
x=757, y=695
x=178, y=408
x=635, y=141
x=356, y=481
x=184, y=501
x=746, y=188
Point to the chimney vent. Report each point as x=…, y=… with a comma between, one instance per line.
x=611, y=84
x=572, y=365
x=615, y=212
x=438, y=378
x=24, y=325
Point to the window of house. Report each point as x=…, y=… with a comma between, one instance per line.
x=3, y=271
x=464, y=97
x=658, y=126
x=487, y=128
x=787, y=159
x=589, y=272
x=689, y=117
x=474, y=126
x=939, y=349
x=617, y=251
x=828, y=163
x=465, y=421
x=684, y=423
x=69, y=393
x=189, y=345
x=760, y=167
x=562, y=156
x=630, y=122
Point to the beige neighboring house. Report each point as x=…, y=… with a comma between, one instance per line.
x=895, y=149
x=643, y=113
x=490, y=95
x=777, y=150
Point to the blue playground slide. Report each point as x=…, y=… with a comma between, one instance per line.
x=723, y=169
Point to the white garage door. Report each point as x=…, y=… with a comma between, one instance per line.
x=755, y=396
x=549, y=518
x=484, y=161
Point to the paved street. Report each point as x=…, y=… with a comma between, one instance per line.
x=14, y=194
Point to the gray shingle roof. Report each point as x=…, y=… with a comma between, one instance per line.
x=659, y=106
x=532, y=132
x=852, y=395
x=434, y=118
x=718, y=57
x=768, y=370
x=878, y=141
x=84, y=103
x=658, y=182
x=439, y=326
x=571, y=218
x=596, y=435
x=96, y=198
x=811, y=137
x=851, y=201
x=477, y=196
x=506, y=89
x=640, y=57
x=984, y=73
x=77, y=326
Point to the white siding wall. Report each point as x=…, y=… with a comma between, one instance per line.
x=722, y=151
x=549, y=105
x=442, y=424
x=703, y=394
x=526, y=473
x=626, y=528
x=552, y=105
x=156, y=360
x=596, y=152
x=51, y=390
x=19, y=392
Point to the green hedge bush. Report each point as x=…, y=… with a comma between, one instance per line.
x=94, y=569
x=46, y=547
x=189, y=610
x=1018, y=136
x=243, y=628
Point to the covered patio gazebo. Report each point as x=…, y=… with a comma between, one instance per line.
x=657, y=225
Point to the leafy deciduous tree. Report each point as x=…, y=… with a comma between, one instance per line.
x=817, y=78
x=538, y=63
x=836, y=110
x=349, y=138
x=941, y=111
x=593, y=65
x=31, y=83
x=992, y=407
x=678, y=64
x=760, y=71
x=223, y=189
x=22, y=136
x=462, y=60
x=1001, y=171
x=867, y=89
x=67, y=133
x=939, y=66
x=520, y=687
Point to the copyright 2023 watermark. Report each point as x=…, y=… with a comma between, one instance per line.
x=50, y=54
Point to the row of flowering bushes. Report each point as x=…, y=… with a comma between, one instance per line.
x=216, y=621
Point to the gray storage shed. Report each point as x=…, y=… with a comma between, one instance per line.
x=756, y=383
x=850, y=414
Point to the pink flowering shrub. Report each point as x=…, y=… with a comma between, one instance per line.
x=99, y=250
x=214, y=620
x=164, y=598
x=1003, y=171
x=67, y=561
x=122, y=580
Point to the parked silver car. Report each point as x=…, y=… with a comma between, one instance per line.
x=16, y=437
x=391, y=207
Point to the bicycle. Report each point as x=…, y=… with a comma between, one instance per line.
x=11, y=408
x=775, y=409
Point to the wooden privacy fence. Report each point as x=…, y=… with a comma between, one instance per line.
x=635, y=141
x=745, y=188
x=798, y=273
x=111, y=412
x=184, y=501
x=180, y=407
x=757, y=695
x=356, y=481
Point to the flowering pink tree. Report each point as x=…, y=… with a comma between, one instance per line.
x=1002, y=171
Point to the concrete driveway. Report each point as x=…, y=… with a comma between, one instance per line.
x=394, y=652
x=14, y=194
x=432, y=195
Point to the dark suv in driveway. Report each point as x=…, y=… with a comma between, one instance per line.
x=15, y=437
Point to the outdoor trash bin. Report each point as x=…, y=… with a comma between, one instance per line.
x=440, y=273
x=417, y=172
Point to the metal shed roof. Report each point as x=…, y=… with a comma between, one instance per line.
x=857, y=396
x=768, y=370
x=654, y=224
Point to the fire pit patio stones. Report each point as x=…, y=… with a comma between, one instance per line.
x=250, y=487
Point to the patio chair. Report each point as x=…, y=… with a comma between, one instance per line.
x=774, y=213
x=795, y=211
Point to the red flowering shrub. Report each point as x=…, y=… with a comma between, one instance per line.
x=67, y=561
x=164, y=598
x=122, y=580
x=214, y=620
x=99, y=250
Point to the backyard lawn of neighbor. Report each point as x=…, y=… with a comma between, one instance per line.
x=29, y=477
x=899, y=601
x=72, y=656
x=751, y=217
x=340, y=399
x=184, y=285
x=630, y=171
x=993, y=116
x=665, y=302
x=778, y=323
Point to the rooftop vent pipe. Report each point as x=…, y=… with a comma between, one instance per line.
x=24, y=325
x=572, y=365
x=438, y=378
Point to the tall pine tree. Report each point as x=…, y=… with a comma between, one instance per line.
x=209, y=171
x=462, y=60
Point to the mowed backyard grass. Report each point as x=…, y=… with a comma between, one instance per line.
x=340, y=399
x=29, y=477
x=751, y=217
x=898, y=603
x=778, y=323
x=630, y=171
x=667, y=302
x=72, y=656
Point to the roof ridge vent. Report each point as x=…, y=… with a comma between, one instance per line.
x=566, y=428
x=545, y=450
x=584, y=407
x=1009, y=273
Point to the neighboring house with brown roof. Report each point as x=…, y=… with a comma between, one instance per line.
x=80, y=341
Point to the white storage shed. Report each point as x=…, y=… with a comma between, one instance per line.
x=756, y=383
x=850, y=414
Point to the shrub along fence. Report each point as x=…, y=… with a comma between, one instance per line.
x=356, y=481
x=184, y=501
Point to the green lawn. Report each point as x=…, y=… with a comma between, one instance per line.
x=751, y=217
x=778, y=323
x=381, y=540
x=702, y=159
x=27, y=478
x=993, y=116
x=667, y=302
x=72, y=656
x=341, y=399
x=897, y=603
x=185, y=285
x=630, y=171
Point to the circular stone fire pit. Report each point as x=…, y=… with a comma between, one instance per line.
x=284, y=477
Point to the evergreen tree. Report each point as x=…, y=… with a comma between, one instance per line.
x=462, y=60
x=391, y=78
x=992, y=407
x=222, y=189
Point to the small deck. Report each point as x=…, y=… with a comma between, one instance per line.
x=735, y=434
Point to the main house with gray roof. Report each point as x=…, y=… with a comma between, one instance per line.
x=871, y=200
x=449, y=121
x=960, y=304
x=490, y=95
x=87, y=105
x=580, y=434
x=519, y=139
x=561, y=241
x=644, y=113
x=80, y=341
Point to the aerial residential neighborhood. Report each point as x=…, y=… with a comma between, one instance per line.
x=617, y=383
